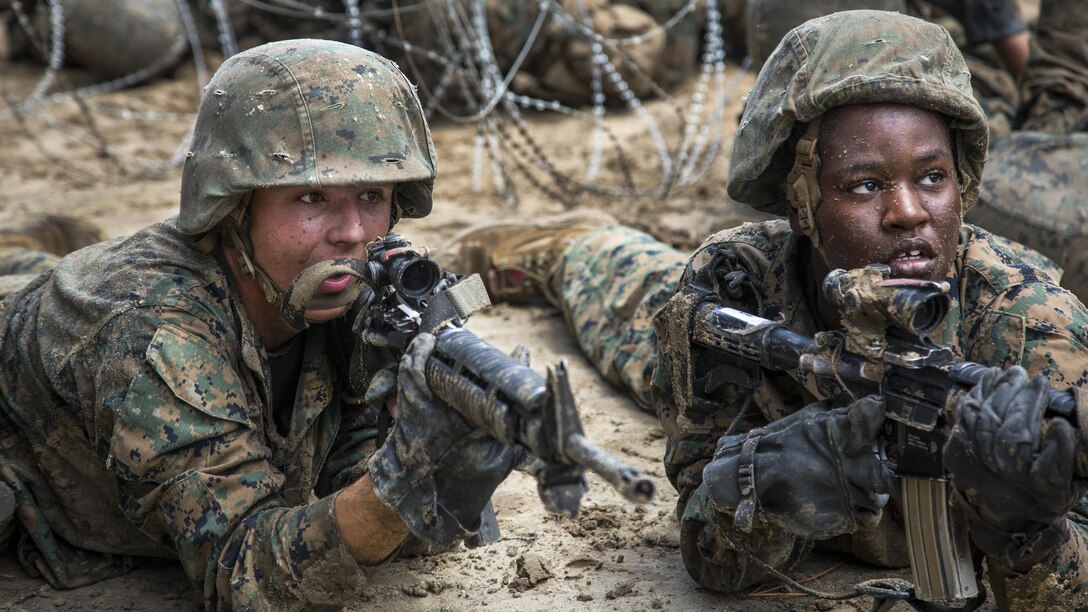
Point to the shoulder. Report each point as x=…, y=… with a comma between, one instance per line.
x=762, y=235
x=991, y=264
x=1016, y=313
x=756, y=243
x=108, y=301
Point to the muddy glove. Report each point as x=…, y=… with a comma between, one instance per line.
x=815, y=473
x=434, y=470
x=1013, y=468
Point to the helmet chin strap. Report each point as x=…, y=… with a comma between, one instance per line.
x=802, y=182
x=301, y=293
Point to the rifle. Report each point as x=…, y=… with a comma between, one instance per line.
x=407, y=293
x=884, y=348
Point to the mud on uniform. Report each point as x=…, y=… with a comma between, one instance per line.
x=137, y=417
x=1004, y=312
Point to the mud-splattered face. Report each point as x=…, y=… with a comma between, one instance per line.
x=293, y=228
x=889, y=191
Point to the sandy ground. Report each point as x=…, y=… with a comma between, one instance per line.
x=613, y=556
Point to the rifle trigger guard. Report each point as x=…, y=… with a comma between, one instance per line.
x=746, y=481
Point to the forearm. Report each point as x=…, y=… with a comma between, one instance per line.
x=371, y=531
x=1058, y=583
x=1013, y=50
x=722, y=558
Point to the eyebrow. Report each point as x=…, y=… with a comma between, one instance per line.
x=929, y=156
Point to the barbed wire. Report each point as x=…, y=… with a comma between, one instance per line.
x=462, y=81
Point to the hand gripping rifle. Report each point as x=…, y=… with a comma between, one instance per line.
x=409, y=293
x=884, y=348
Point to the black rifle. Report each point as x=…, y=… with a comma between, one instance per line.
x=884, y=348
x=408, y=294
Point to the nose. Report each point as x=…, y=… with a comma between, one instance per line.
x=349, y=226
x=906, y=210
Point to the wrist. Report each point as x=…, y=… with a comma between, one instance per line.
x=1017, y=549
x=371, y=530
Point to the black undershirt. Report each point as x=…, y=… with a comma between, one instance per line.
x=285, y=364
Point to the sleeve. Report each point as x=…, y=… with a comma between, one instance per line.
x=984, y=20
x=1044, y=328
x=1060, y=583
x=194, y=473
x=708, y=542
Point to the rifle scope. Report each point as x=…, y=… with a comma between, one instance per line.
x=391, y=262
x=912, y=306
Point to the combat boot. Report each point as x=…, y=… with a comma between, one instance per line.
x=54, y=234
x=516, y=259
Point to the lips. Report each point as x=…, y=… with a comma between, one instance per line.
x=337, y=283
x=914, y=258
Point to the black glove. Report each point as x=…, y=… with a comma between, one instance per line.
x=434, y=470
x=815, y=473
x=1013, y=468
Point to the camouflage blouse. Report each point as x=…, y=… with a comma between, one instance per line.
x=135, y=415
x=1003, y=312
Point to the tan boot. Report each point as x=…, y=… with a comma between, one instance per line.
x=515, y=259
x=55, y=234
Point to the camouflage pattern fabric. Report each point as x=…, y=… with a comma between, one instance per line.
x=1034, y=191
x=969, y=23
x=301, y=113
x=139, y=424
x=1004, y=312
x=770, y=20
x=612, y=320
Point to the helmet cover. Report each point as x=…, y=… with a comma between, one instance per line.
x=852, y=57
x=305, y=112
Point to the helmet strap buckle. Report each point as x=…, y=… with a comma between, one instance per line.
x=802, y=184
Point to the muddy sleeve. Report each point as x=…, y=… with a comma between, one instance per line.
x=1058, y=583
x=1044, y=328
x=709, y=544
x=193, y=472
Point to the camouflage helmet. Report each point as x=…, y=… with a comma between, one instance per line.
x=305, y=112
x=770, y=20
x=851, y=57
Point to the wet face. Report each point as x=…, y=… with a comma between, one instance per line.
x=293, y=228
x=889, y=192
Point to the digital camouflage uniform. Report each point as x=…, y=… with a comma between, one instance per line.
x=1033, y=191
x=139, y=413
x=1006, y=310
x=613, y=323
x=138, y=423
